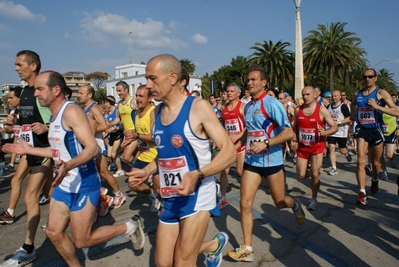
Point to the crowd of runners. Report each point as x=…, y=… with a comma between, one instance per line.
x=171, y=153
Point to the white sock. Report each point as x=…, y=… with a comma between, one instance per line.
x=363, y=190
x=334, y=167
x=11, y=211
x=117, y=194
x=130, y=227
x=249, y=248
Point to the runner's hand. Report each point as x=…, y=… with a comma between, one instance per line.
x=39, y=128
x=136, y=177
x=187, y=185
x=21, y=147
x=61, y=172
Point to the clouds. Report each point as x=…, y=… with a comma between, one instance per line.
x=103, y=28
x=199, y=39
x=11, y=10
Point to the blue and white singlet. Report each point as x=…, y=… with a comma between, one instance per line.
x=65, y=146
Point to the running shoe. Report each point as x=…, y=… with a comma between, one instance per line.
x=223, y=203
x=348, y=157
x=312, y=204
x=119, y=173
x=112, y=167
x=119, y=200
x=393, y=164
x=354, y=151
x=299, y=214
x=241, y=254
x=7, y=218
x=383, y=176
x=43, y=199
x=20, y=258
x=361, y=198
x=374, y=187
x=333, y=171
x=9, y=167
x=137, y=236
x=214, y=259
x=105, y=205
x=156, y=203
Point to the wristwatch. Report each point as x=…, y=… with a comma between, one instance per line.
x=201, y=176
x=267, y=143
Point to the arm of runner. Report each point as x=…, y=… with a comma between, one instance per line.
x=392, y=109
x=39, y=128
x=353, y=107
x=101, y=124
x=346, y=112
x=23, y=148
x=326, y=117
x=75, y=119
x=204, y=122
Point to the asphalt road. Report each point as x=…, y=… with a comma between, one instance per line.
x=338, y=233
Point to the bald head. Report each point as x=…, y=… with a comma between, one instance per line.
x=167, y=63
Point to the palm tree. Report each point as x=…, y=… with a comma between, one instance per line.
x=188, y=65
x=276, y=59
x=386, y=81
x=331, y=49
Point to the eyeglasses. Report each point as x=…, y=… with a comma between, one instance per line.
x=368, y=76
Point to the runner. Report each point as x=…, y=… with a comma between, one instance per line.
x=76, y=183
x=309, y=122
x=267, y=128
x=233, y=118
x=183, y=126
x=367, y=107
x=98, y=125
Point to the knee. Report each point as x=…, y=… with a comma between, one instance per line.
x=245, y=205
x=52, y=235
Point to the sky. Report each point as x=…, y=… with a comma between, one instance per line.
x=93, y=35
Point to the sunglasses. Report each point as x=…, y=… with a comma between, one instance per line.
x=368, y=76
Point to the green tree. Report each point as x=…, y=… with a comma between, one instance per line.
x=188, y=65
x=330, y=50
x=278, y=61
x=97, y=78
x=100, y=95
x=386, y=81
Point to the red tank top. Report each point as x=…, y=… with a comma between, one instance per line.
x=308, y=134
x=233, y=119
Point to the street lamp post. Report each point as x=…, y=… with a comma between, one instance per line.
x=385, y=59
x=299, y=83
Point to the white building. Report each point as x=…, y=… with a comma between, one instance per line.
x=134, y=76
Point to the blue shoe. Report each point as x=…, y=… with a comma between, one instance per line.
x=214, y=259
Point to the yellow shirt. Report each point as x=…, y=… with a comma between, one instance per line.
x=125, y=112
x=389, y=124
x=147, y=150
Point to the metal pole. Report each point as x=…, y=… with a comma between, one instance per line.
x=299, y=83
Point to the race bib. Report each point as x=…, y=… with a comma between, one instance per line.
x=143, y=146
x=26, y=134
x=366, y=115
x=256, y=136
x=385, y=128
x=17, y=130
x=171, y=173
x=307, y=136
x=232, y=126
